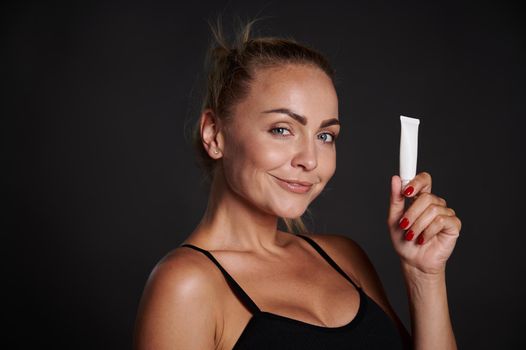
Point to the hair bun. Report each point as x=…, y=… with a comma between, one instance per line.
x=220, y=52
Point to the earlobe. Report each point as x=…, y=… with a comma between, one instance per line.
x=210, y=133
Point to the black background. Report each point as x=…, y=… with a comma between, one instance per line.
x=99, y=176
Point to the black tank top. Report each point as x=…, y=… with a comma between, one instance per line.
x=371, y=328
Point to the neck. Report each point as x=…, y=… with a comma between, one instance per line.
x=231, y=222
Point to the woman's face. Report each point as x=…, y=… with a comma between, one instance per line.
x=283, y=130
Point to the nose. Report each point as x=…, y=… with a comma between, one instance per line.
x=306, y=156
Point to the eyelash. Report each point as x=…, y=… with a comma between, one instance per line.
x=328, y=133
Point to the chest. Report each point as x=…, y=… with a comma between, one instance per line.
x=311, y=293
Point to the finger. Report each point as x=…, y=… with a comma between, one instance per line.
x=452, y=227
x=425, y=219
x=441, y=223
x=421, y=183
x=397, y=203
x=419, y=205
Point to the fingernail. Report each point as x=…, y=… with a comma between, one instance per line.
x=420, y=240
x=409, y=235
x=404, y=223
x=408, y=191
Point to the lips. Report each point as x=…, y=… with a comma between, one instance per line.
x=295, y=186
x=302, y=183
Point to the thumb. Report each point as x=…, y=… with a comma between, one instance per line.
x=397, y=202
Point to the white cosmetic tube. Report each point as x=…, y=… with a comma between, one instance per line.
x=408, y=148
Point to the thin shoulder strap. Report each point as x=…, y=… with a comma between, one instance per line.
x=328, y=258
x=249, y=303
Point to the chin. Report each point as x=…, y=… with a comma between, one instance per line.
x=291, y=212
x=291, y=209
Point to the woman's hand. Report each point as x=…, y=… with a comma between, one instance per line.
x=425, y=234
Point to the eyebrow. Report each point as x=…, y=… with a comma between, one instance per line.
x=301, y=119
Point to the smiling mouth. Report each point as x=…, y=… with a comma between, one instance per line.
x=294, y=186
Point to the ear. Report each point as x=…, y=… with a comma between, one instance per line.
x=211, y=134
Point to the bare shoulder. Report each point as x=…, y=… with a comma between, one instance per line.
x=177, y=308
x=183, y=270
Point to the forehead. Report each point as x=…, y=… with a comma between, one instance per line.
x=305, y=88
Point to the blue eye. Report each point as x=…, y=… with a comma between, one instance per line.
x=333, y=138
x=278, y=133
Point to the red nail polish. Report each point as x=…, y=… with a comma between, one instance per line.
x=404, y=223
x=420, y=239
x=408, y=191
x=409, y=235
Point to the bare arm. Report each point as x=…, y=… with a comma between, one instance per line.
x=428, y=305
x=424, y=235
x=177, y=308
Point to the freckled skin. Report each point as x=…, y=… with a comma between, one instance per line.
x=252, y=155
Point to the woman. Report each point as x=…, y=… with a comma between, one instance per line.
x=266, y=138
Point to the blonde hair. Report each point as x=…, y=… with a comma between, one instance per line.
x=230, y=70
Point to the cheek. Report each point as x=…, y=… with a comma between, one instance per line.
x=251, y=155
x=257, y=151
x=267, y=156
x=327, y=165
